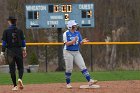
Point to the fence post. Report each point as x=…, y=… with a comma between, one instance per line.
x=91, y=59
x=46, y=59
x=60, y=51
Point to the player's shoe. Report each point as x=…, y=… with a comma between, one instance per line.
x=68, y=86
x=21, y=86
x=91, y=82
x=15, y=88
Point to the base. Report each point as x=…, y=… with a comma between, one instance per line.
x=92, y=86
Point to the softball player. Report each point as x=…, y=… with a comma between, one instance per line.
x=72, y=39
x=13, y=43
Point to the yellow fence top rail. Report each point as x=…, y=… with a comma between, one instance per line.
x=88, y=43
x=111, y=43
x=48, y=43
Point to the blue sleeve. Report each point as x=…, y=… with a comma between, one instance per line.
x=4, y=43
x=23, y=39
x=23, y=43
x=80, y=37
x=3, y=46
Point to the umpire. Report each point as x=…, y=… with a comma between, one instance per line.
x=14, y=49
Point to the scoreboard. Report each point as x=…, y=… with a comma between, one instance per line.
x=57, y=15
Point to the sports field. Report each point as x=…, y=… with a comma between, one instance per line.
x=54, y=82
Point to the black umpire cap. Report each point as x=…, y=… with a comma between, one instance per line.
x=11, y=18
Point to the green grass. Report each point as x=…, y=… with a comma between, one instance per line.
x=58, y=77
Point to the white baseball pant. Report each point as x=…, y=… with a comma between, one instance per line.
x=73, y=56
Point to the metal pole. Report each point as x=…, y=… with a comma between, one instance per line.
x=60, y=51
x=91, y=58
x=46, y=59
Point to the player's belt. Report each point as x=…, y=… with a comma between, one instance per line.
x=72, y=50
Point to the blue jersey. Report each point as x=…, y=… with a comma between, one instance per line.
x=69, y=36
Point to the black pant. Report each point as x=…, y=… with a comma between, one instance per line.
x=14, y=57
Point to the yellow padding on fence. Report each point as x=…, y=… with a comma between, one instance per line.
x=49, y=43
x=88, y=43
x=112, y=43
